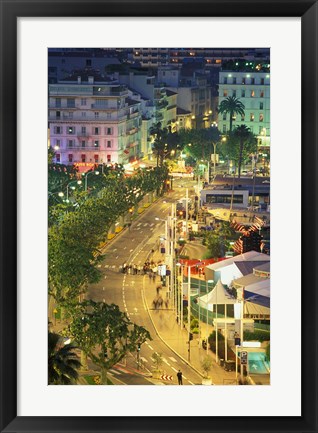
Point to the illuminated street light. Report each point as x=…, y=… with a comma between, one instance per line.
x=86, y=175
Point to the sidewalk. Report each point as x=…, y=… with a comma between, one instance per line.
x=168, y=330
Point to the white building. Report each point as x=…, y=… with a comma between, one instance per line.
x=253, y=90
x=93, y=122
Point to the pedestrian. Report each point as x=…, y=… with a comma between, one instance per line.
x=179, y=376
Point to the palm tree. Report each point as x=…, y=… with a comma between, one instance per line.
x=245, y=137
x=233, y=106
x=164, y=141
x=62, y=362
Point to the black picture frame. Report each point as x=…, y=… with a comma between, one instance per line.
x=10, y=11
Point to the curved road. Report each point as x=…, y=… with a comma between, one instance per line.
x=127, y=291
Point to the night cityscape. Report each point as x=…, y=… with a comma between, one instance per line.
x=159, y=216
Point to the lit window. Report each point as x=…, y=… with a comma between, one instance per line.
x=252, y=117
x=70, y=157
x=262, y=94
x=225, y=93
x=71, y=130
x=96, y=143
x=243, y=80
x=109, y=158
x=252, y=93
x=243, y=94
x=261, y=117
x=96, y=158
x=58, y=157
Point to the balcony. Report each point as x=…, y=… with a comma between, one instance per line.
x=132, y=131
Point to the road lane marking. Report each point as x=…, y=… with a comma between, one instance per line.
x=143, y=359
x=150, y=347
x=173, y=359
x=174, y=369
x=190, y=382
x=114, y=371
x=164, y=360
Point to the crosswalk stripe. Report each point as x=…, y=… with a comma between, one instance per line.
x=115, y=371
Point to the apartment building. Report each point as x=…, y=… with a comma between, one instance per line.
x=93, y=121
x=252, y=88
x=212, y=57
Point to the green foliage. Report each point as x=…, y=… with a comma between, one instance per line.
x=231, y=106
x=164, y=143
x=104, y=333
x=268, y=352
x=206, y=365
x=198, y=143
x=216, y=244
x=157, y=359
x=194, y=324
x=62, y=362
x=257, y=335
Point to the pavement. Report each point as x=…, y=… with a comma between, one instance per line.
x=176, y=338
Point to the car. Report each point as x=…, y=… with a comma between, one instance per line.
x=266, y=181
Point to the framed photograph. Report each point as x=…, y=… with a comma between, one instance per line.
x=119, y=135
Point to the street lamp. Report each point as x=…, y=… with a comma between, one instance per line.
x=86, y=175
x=223, y=139
x=79, y=182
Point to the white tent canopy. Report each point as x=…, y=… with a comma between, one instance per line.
x=217, y=296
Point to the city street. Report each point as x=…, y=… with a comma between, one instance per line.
x=132, y=292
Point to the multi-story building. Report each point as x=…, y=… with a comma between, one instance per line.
x=194, y=96
x=63, y=62
x=252, y=88
x=93, y=121
x=213, y=57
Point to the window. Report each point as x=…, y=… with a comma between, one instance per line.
x=96, y=131
x=252, y=93
x=224, y=129
x=70, y=115
x=83, y=129
x=224, y=116
x=225, y=80
x=261, y=105
x=234, y=93
x=242, y=117
x=96, y=143
x=58, y=157
x=96, y=114
x=71, y=130
x=252, y=80
x=243, y=80
x=58, y=143
x=261, y=117
x=109, y=143
x=70, y=143
x=262, y=81
x=109, y=131
x=234, y=80
x=70, y=157
x=109, y=158
x=58, y=103
x=58, y=129
x=243, y=94
x=83, y=157
x=225, y=93
x=58, y=114
x=96, y=159
x=252, y=117
x=108, y=115
x=83, y=101
x=262, y=94
x=70, y=103
x=88, y=62
x=83, y=143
